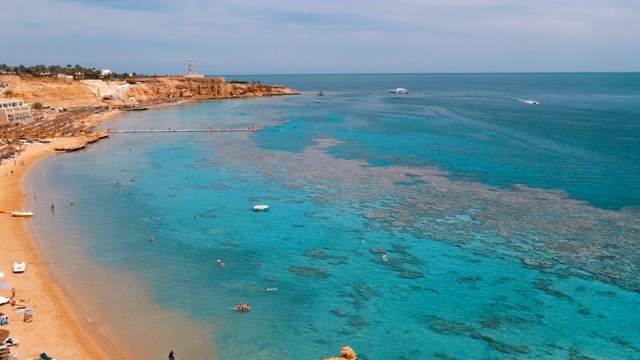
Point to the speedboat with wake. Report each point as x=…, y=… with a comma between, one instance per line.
x=399, y=91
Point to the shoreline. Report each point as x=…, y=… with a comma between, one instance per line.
x=78, y=333
x=53, y=305
x=56, y=328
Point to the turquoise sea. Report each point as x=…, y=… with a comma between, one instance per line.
x=511, y=229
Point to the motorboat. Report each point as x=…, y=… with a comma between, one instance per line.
x=261, y=208
x=399, y=91
x=19, y=267
x=21, y=213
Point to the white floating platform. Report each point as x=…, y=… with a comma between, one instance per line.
x=261, y=207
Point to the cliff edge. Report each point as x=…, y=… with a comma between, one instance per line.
x=69, y=93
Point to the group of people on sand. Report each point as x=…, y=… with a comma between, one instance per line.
x=243, y=307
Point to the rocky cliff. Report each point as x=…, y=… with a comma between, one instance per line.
x=153, y=89
x=68, y=93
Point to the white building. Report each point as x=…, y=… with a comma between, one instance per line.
x=14, y=110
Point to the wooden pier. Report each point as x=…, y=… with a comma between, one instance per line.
x=251, y=129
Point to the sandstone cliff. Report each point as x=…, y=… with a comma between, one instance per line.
x=68, y=93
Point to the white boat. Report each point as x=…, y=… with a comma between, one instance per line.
x=19, y=267
x=399, y=91
x=21, y=213
x=261, y=207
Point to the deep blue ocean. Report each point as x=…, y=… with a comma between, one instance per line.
x=511, y=229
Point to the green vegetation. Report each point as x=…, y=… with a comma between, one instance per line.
x=77, y=71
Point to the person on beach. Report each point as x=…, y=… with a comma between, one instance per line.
x=53, y=207
x=71, y=202
x=171, y=355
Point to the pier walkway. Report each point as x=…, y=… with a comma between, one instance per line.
x=111, y=131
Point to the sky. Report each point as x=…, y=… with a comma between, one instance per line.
x=157, y=37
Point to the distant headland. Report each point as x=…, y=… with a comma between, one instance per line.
x=44, y=102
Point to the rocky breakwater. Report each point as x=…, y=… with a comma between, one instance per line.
x=155, y=89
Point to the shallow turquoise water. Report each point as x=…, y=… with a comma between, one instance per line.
x=510, y=228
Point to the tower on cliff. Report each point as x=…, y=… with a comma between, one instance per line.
x=191, y=74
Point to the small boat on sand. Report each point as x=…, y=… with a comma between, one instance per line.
x=21, y=213
x=261, y=208
x=19, y=267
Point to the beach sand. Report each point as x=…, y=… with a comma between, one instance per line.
x=54, y=329
x=65, y=325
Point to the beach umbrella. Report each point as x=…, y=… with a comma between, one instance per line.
x=5, y=285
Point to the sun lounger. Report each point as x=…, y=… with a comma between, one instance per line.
x=9, y=356
x=4, y=300
x=22, y=303
x=10, y=342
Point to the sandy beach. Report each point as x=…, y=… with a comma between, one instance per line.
x=61, y=327
x=54, y=330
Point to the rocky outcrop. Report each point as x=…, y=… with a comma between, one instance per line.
x=80, y=142
x=69, y=93
x=178, y=87
x=347, y=354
